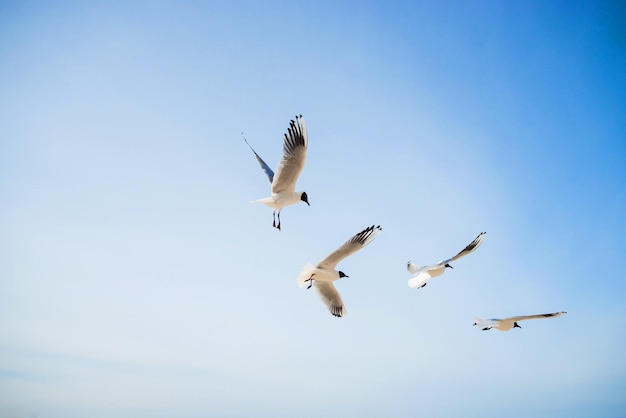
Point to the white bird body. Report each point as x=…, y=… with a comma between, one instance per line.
x=324, y=273
x=321, y=274
x=278, y=201
x=422, y=274
x=283, y=182
x=508, y=323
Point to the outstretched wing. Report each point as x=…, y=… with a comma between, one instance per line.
x=294, y=156
x=353, y=245
x=524, y=317
x=471, y=247
x=331, y=298
x=413, y=268
x=264, y=166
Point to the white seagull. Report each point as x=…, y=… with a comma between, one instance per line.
x=422, y=274
x=508, y=323
x=324, y=274
x=284, y=180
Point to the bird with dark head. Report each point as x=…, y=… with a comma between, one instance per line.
x=322, y=276
x=283, y=182
x=507, y=324
x=420, y=275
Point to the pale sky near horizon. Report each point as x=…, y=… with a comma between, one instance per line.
x=136, y=279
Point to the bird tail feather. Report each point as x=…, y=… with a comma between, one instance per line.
x=304, y=275
x=418, y=281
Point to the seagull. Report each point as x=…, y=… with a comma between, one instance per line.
x=508, y=323
x=284, y=181
x=324, y=274
x=422, y=274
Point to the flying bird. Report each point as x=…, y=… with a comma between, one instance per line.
x=284, y=180
x=324, y=274
x=508, y=323
x=422, y=274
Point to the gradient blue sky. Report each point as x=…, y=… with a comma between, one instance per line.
x=136, y=280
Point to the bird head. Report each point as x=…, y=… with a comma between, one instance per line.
x=305, y=198
x=342, y=274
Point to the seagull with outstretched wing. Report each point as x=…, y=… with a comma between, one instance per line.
x=508, y=323
x=324, y=274
x=422, y=274
x=284, y=180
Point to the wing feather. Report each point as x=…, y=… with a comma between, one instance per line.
x=264, y=166
x=412, y=268
x=471, y=247
x=294, y=157
x=331, y=297
x=351, y=246
x=524, y=317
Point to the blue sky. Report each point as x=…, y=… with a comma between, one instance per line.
x=137, y=280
